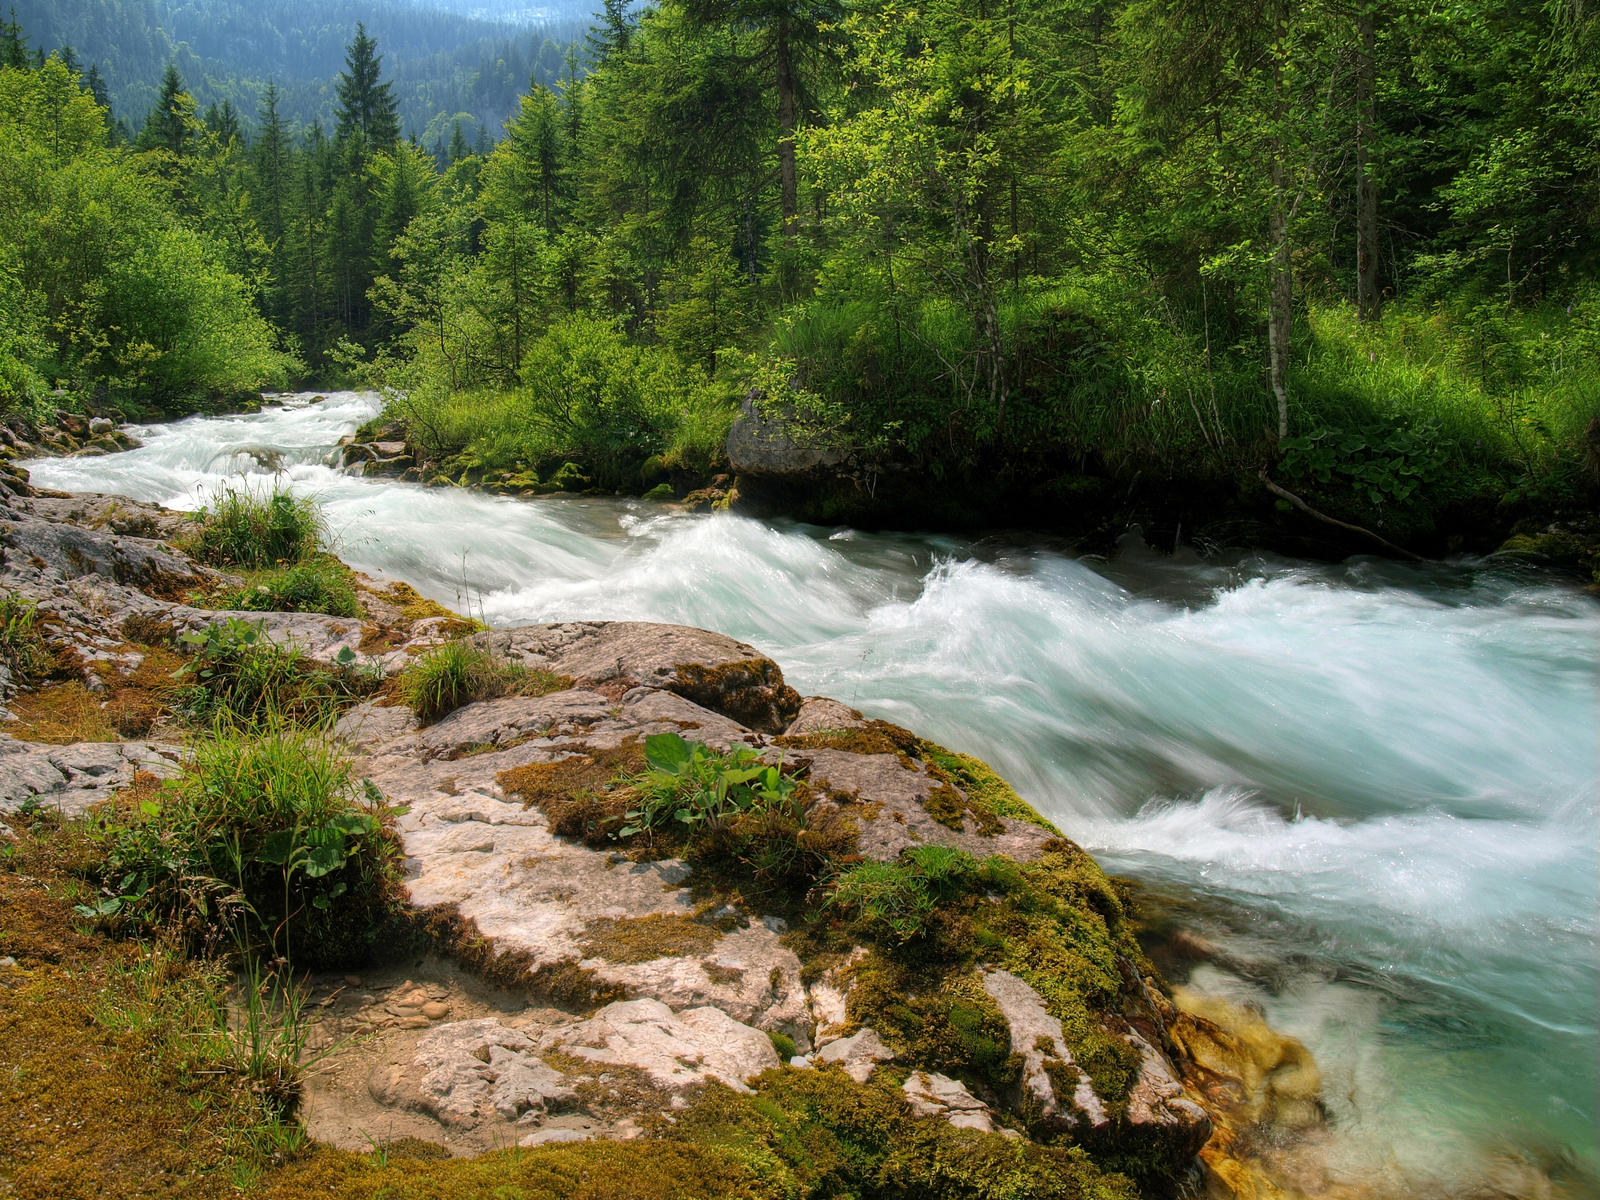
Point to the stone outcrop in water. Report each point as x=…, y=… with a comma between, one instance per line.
x=645, y=975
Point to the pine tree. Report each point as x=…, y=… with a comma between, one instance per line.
x=458, y=145
x=223, y=121
x=13, y=46
x=96, y=84
x=366, y=103
x=170, y=124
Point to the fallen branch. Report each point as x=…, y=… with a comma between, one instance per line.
x=1286, y=494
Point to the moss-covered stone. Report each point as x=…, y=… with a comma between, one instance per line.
x=582, y=796
x=750, y=691
x=642, y=939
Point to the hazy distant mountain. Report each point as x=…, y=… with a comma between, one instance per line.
x=449, y=59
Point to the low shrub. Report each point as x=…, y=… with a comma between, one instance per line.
x=319, y=584
x=694, y=785
x=242, y=529
x=265, y=836
x=239, y=676
x=461, y=672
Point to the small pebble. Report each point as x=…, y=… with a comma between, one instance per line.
x=435, y=1011
x=352, y=980
x=413, y=1023
x=8, y=961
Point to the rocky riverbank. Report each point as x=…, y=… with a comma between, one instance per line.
x=628, y=980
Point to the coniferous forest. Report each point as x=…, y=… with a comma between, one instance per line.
x=1008, y=260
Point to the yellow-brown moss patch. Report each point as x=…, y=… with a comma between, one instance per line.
x=750, y=691
x=579, y=795
x=643, y=939
x=564, y=983
x=112, y=1076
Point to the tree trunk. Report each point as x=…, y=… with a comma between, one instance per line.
x=1368, y=301
x=788, y=191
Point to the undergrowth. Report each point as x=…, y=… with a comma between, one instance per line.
x=236, y=674
x=318, y=584
x=120, y=1072
x=266, y=839
x=461, y=672
x=239, y=528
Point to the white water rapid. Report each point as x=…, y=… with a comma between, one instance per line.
x=1372, y=787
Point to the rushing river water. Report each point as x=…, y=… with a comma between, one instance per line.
x=1372, y=787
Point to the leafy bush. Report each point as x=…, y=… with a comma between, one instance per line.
x=694, y=785
x=589, y=399
x=239, y=676
x=462, y=671
x=320, y=584
x=240, y=528
x=264, y=835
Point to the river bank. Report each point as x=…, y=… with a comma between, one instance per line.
x=1221, y=729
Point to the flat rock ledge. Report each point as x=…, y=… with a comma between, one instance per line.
x=717, y=994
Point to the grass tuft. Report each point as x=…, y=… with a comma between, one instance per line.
x=461, y=672
x=242, y=529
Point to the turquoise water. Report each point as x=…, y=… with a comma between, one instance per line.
x=1372, y=787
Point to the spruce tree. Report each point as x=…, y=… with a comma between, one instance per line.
x=169, y=125
x=13, y=46
x=366, y=103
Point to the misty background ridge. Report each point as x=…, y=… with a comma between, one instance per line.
x=451, y=61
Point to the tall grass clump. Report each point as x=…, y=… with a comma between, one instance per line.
x=463, y=671
x=239, y=676
x=240, y=528
x=319, y=584
x=267, y=838
x=22, y=647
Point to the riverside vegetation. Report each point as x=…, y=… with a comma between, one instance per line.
x=177, y=916
x=1066, y=266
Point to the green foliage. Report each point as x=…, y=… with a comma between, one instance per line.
x=691, y=784
x=1379, y=464
x=113, y=293
x=265, y=835
x=895, y=901
x=320, y=584
x=241, y=528
x=238, y=676
x=461, y=672
x=588, y=398
x=22, y=647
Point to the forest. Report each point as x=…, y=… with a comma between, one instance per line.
x=445, y=66
x=1009, y=259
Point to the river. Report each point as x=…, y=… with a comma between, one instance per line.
x=1373, y=787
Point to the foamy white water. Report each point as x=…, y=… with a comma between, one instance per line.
x=1374, y=787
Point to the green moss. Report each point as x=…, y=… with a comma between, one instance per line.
x=92, y=1027
x=935, y=1018
x=1057, y=923
x=783, y=1044
x=643, y=939
x=988, y=797
x=819, y=1134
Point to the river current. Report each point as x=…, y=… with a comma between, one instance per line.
x=1371, y=787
